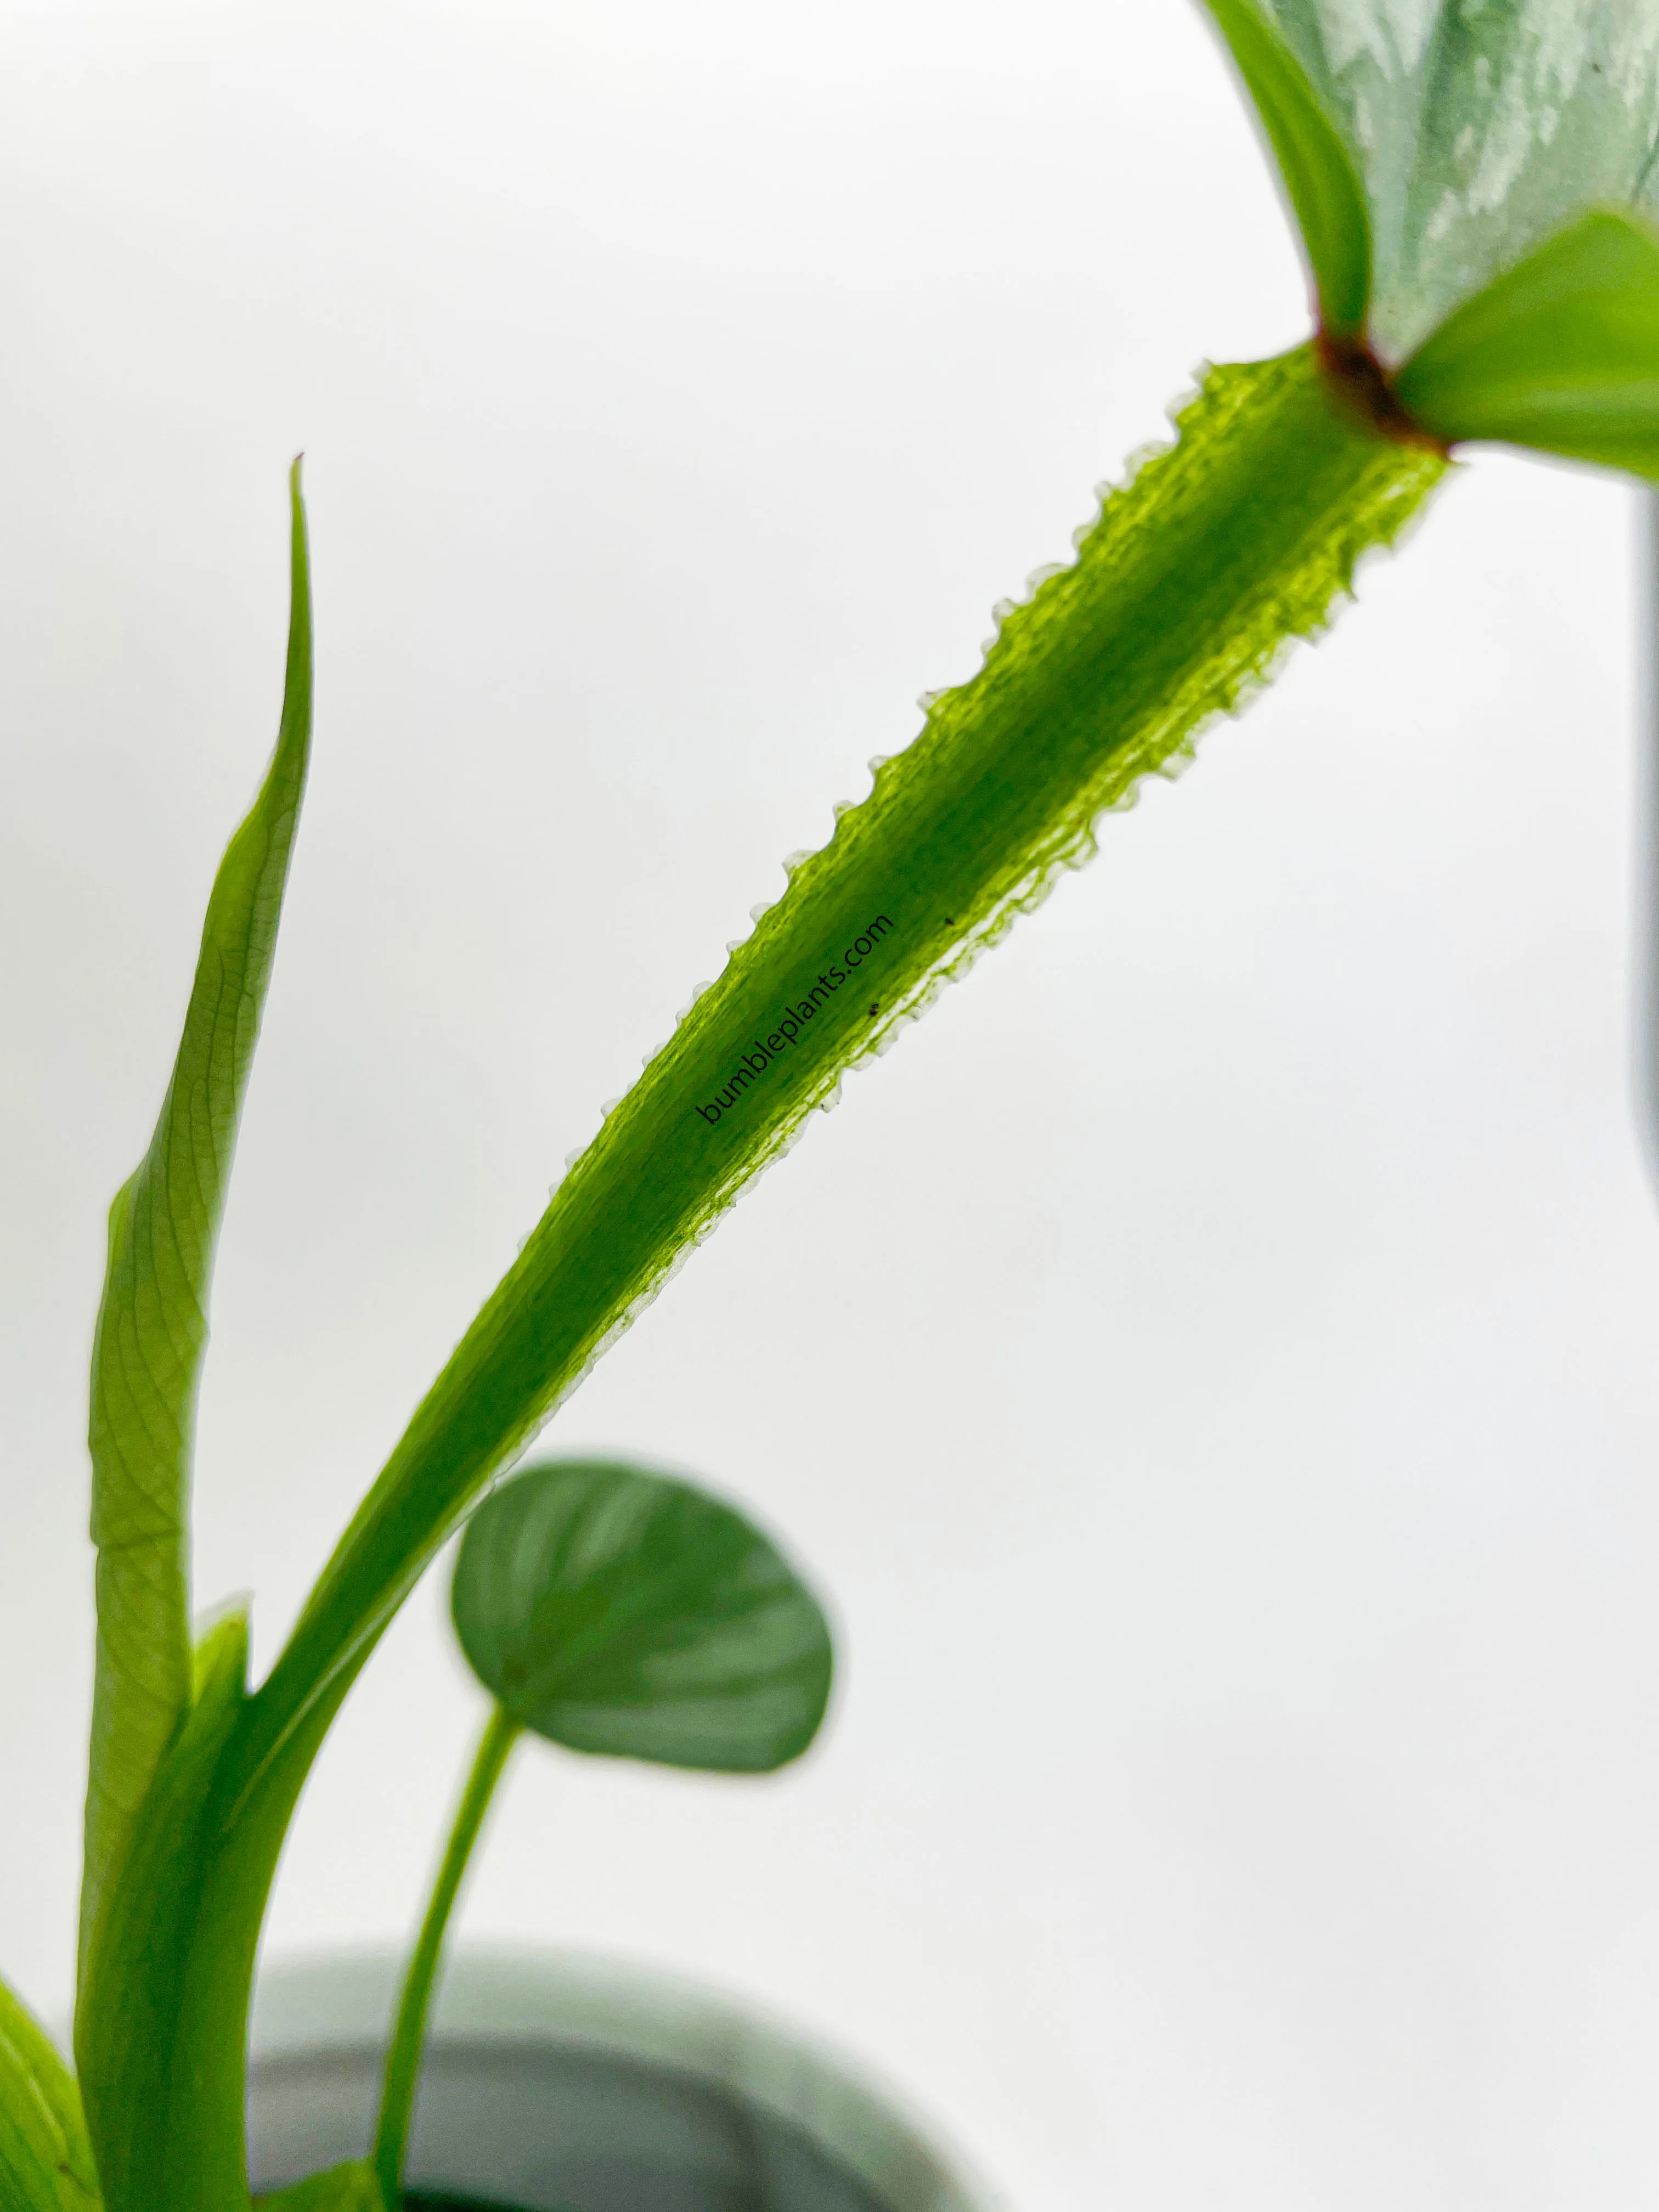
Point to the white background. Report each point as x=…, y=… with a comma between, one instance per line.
x=1211, y=1363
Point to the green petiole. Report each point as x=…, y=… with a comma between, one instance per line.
x=1183, y=595
x=403, y=2062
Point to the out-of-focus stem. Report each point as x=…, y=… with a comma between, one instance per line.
x=403, y=2063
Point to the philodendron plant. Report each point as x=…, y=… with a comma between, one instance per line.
x=1472, y=185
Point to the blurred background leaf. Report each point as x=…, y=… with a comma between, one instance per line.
x=612, y=1609
x=1561, y=352
x=45, y=2162
x=348, y=2188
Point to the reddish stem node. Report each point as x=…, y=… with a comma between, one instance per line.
x=1364, y=386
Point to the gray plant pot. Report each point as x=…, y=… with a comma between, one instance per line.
x=556, y=2083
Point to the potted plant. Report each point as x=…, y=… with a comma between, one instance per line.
x=1464, y=289
x=618, y=1612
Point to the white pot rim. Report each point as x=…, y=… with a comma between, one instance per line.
x=514, y=1995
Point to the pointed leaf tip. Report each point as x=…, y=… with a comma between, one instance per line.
x=152, y=1327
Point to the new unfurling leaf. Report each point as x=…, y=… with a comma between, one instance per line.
x=152, y=1323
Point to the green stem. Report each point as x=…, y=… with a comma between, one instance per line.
x=403, y=2062
x=1184, y=594
x=1183, y=597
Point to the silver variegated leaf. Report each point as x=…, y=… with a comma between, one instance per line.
x=1479, y=127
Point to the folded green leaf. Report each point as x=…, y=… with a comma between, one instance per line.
x=46, y=2160
x=614, y=1610
x=1560, y=353
x=152, y=1324
x=1319, y=177
x=348, y=2188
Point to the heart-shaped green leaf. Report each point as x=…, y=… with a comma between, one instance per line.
x=46, y=2160
x=1319, y=177
x=1560, y=353
x=614, y=1610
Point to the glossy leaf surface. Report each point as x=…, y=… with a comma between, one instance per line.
x=614, y=1610
x=152, y=1324
x=46, y=2160
x=1561, y=353
x=1319, y=177
x=1479, y=130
